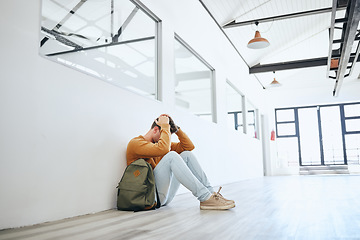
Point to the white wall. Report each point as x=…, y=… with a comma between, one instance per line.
x=64, y=134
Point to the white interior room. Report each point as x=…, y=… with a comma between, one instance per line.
x=76, y=87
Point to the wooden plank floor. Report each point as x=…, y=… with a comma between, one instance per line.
x=288, y=207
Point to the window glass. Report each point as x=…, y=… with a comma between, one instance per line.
x=288, y=152
x=251, y=120
x=321, y=138
x=352, y=110
x=234, y=107
x=332, y=142
x=231, y=120
x=286, y=129
x=112, y=40
x=193, y=81
x=285, y=115
x=309, y=136
x=240, y=120
x=352, y=125
x=353, y=148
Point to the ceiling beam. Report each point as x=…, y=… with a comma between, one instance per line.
x=314, y=62
x=281, y=17
x=306, y=63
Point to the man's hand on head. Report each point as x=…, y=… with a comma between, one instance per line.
x=163, y=119
x=173, y=127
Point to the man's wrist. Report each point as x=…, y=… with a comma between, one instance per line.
x=177, y=129
x=165, y=126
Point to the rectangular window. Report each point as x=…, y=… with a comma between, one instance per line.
x=251, y=120
x=309, y=136
x=331, y=132
x=352, y=110
x=116, y=41
x=353, y=148
x=325, y=134
x=193, y=82
x=288, y=151
x=285, y=115
x=285, y=119
x=286, y=129
x=234, y=107
x=352, y=125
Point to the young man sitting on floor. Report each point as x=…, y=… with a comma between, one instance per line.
x=174, y=164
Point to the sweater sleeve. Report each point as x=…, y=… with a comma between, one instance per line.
x=185, y=143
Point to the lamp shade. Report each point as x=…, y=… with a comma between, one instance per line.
x=275, y=83
x=258, y=42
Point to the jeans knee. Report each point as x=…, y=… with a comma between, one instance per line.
x=172, y=154
x=186, y=154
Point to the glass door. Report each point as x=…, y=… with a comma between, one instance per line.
x=309, y=136
x=332, y=137
x=320, y=136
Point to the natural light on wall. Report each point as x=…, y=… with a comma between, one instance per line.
x=115, y=41
x=193, y=81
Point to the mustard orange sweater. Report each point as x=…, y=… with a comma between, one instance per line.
x=138, y=147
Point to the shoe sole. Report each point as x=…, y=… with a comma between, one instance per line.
x=224, y=207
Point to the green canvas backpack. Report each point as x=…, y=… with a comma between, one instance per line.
x=136, y=189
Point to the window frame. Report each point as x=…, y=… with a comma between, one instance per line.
x=286, y=122
x=296, y=122
x=212, y=76
x=155, y=94
x=237, y=113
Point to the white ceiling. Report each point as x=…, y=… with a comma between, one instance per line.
x=291, y=39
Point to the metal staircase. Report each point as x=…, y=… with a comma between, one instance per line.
x=342, y=54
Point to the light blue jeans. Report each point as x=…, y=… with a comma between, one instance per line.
x=175, y=169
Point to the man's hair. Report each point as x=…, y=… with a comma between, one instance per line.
x=173, y=127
